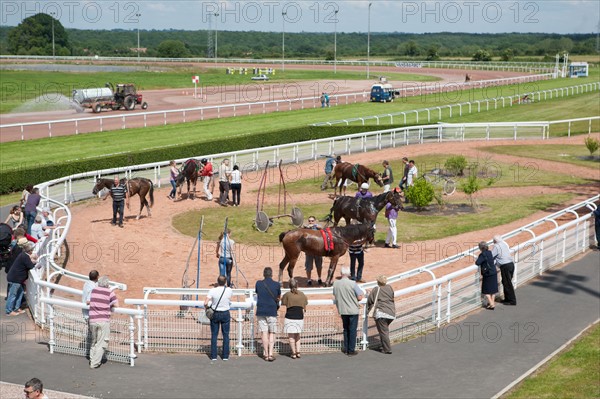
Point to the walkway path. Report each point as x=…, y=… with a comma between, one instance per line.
x=473, y=358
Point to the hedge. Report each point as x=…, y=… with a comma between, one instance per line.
x=12, y=180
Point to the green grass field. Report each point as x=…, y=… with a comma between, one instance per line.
x=423, y=225
x=573, y=154
x=19, y=87
x=17, y=154
x=572, y=374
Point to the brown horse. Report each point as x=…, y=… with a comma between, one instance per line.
x=311, y=242
x=357, y=173
x=137, y=185
x=363, y=210
x=188, y=173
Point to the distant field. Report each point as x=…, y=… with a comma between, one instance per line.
x=574, y=154
x=17, y=154
x=20, y=86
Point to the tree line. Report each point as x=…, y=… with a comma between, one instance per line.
x=34, y=37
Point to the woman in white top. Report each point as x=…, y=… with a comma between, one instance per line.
x=225, y=255
x=220, y=301
x=236, y=185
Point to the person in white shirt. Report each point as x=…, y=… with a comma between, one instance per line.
x=412, y=173
x=219, y=299
x=37, y=230
x=224, y=175
x=236, y=185
x=225, y=255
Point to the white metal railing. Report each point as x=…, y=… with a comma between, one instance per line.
x=476, y=65
x=153, y=118
x=420, y=307
x=471, y=106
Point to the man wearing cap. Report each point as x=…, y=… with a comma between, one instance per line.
x=206, y=174
x=364, y=192
x=37, y=230
x=47, y=220
x=18, y=273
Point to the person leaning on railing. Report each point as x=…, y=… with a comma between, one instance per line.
x=382, y=298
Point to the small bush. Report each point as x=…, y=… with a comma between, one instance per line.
x=472, y=184
x=591, y=144
x=456, y=165
x=421, y=194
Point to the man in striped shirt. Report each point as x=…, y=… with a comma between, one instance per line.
x=102, y=300
x=120, y=195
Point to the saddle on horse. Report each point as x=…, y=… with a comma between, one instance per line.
x=327, y=239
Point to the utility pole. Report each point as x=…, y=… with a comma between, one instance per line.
x=283, y=14
x=335, y=43
x=52, y=14
x=369, y=39
x=138, y=15
x=216, y=35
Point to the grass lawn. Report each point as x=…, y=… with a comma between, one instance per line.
x=421, y=225
x=573, y=154
x=18, y=154
x=572, y=374
x=508, y=175
x=21, y=86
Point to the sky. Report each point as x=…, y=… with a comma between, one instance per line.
x=472, y=16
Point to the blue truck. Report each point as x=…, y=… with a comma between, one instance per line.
x=383, y=92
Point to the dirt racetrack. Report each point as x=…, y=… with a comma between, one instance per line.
x=172, y=99
x=149, y=252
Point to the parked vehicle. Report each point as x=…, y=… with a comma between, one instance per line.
x=383, y=92
x=125, y=96
x=260, y=77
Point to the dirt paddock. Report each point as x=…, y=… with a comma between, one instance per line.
x=150, y=253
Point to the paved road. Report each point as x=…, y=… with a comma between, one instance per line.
x=473, y=358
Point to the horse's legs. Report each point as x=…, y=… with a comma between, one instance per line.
x=332, y=265
x=282, y=265
x=291, y=267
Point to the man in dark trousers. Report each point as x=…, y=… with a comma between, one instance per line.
x=120, y=196
x=403, y=181
x=596, y=214
x=504, y=260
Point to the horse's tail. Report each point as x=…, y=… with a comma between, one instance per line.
x=282, y=235
x=151, y=193
x=329, y=217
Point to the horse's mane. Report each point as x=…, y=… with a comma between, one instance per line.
x=353, y=229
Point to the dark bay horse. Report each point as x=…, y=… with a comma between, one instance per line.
x=362, y=210
x=357, y=173
x=137, y=185
x=311, y=242
x=188, y=173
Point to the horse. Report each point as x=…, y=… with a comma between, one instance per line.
x=137, y=185
x=357, y=173
x=311, y=242
x=189, y=173
x=363, y=210
x=467, y=78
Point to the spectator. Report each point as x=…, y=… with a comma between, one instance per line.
x=489, y=279
x=15, y=217
x=504, y=261
x=206, y=174
x=87, y=291
x=224, y=176
x=34, y=389
x=387, y=176
x=310, y=259
x=16, y=277
x=120, y=196
x=596, y=214
x=322, y=98
x=404, y=179
x=411, y=176
x=347, y=294
x=382, y=298
x=295, y=302
x=24, y=195
x=329, y=166
x=37, y=230
x=102, y=300
x=326, y=100
x=357, y=254
x=364, y=192
x=17, y=247
x=220, y=301
x=173, y=174
x=236, y=185
x=33, y=200
x=391, y=214
x=268, y=293
x=47, y=219
x=225, y=255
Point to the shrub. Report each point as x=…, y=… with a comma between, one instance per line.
x=456, y=165
x=591, y=144
x=472, y=184
x=421, y=193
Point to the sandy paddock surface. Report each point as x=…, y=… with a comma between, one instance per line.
x=150, y=252
x=172, y=99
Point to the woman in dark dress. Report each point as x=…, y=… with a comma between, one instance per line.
x=489, y=280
